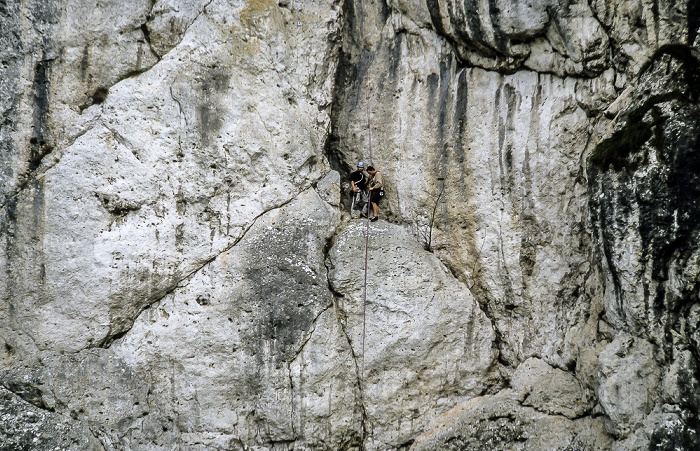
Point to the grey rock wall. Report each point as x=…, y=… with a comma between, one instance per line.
x=179, y=270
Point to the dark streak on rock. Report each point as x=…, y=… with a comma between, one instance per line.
x=39, y=141
x=435, y=17
x=461, y=104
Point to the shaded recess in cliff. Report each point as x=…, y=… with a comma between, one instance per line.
x=669, y=195
x=39, y=141
x=644, y=184
x=354, y=63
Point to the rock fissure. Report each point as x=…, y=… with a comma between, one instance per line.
x=146, y=32
x=357, y=361
x=182, y=112
x=340, y=321
x=121, y=140
x=298, y=352
x=110, y=338
x=29, y=393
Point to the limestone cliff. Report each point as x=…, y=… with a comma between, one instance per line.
x=179, y=270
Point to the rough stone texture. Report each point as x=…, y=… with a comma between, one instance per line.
x=483, y=166
x=169, y=171
x=645, y=203
x=176, y=269
x=427, y=346
x=629, y=381
x=550, y=390
x=251, y=339
x=563, y=37
x=24, y=427
x=501, y=423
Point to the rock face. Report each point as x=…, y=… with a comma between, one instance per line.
x=427, y=346
x=179, y=270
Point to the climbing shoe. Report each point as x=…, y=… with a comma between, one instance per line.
x=374, y=218
x=364, y=215
x=355, y=217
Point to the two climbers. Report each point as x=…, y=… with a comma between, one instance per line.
x=364, y=187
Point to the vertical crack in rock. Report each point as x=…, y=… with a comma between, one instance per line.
x=41, y=142
x=360, y=384
x=338, y=316
x=354, y=64
x=292, y=410
x=41, y=134
x=146, y=32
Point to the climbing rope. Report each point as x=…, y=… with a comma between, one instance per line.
x=369, y=205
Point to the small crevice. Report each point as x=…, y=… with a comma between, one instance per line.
x=147, y=37
x=122, y=140
x=310, y=334
x=179, y=104
x=291, y=385
x=338, y=295
x=28, y=392
x=360, y=382
x=147, y=33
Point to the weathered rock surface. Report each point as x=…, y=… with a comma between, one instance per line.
x=645, y=203
x=93, y=388
x=24, y=426
x=168, y=172
x=228, y=349
x=500, y=422
x=177, y=270
x=427, y=345
x=550, y=390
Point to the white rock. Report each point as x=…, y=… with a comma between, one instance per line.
x=427, y=345
x=629, y=382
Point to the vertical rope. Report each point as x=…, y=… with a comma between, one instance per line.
x=369, y=205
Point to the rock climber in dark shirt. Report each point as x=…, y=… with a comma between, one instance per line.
x=358, y=183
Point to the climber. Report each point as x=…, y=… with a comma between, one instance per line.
x=376, y=190
x=358, y=182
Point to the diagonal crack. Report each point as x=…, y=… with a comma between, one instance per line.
x=42, y=166
x=310, y=334
x=160, y=295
